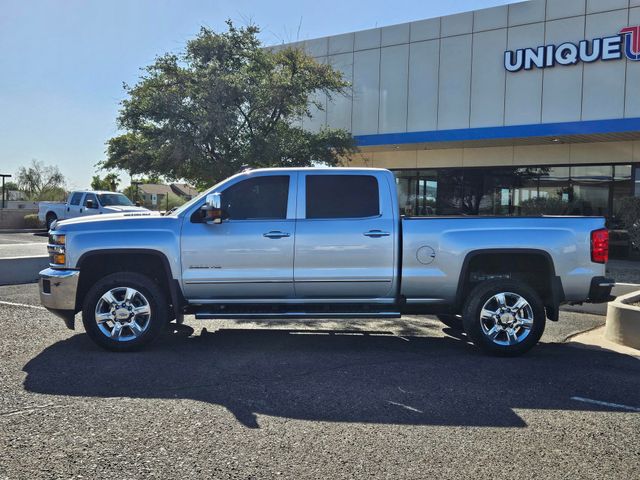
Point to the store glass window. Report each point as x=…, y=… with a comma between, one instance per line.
x=622, y=185
x=590, y=190
x=558, y=190
x=450, y=199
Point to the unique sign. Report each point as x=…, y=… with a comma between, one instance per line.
x=626, y=43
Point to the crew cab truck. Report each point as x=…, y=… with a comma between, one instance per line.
x=323, y=243
x=84, y=203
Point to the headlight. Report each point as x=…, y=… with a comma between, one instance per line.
x=56, y=249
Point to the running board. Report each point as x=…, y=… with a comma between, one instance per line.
x=293, y=315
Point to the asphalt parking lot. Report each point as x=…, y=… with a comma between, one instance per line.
x=23, y=245
x=386, y=399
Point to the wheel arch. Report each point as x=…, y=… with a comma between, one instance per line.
x=550, y=288
x=150, y=262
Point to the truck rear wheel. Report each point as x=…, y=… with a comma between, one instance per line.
x=124, y=311
x=504, y=317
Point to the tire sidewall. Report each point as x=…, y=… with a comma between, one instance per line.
x=153, y=293
x=479, y=296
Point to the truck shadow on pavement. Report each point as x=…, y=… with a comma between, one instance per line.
x=334, y=376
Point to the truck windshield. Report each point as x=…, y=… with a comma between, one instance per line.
x=109, y=199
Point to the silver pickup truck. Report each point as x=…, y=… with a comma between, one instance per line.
x=320, y=243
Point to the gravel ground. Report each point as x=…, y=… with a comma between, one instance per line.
x=384, y=399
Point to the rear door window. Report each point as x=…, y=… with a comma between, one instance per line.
x=342, y=196
x=76, y=198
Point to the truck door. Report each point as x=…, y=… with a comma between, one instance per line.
x=345, y=236
x=74, y=206
x=250, y=254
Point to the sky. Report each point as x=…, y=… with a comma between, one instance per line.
x=63, y=62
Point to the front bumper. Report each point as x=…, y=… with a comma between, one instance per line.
x=58, y=293
x=600, y=291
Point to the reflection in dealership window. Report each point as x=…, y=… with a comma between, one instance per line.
x=417, y=193
x=558, y=190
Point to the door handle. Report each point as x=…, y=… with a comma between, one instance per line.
x=376, y=234
x=276, y=234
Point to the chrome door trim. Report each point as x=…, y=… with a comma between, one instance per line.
x=225, y=282
x=289, y=301
x=339, y=280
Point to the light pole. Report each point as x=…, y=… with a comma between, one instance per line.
x=137, y=185
x=3, y=175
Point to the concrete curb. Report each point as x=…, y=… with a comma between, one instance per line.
x=623, y=321
x=595, y=339
x=14, y=270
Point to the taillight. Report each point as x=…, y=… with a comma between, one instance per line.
x=600, y=246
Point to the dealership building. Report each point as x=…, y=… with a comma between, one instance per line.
x=522, y=109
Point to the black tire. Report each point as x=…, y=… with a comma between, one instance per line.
x=150, y=291
x=51, y=217
x=473, y=325
x=451, y=321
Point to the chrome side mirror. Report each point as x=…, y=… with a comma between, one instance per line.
x=214, y=201
x=212, y=208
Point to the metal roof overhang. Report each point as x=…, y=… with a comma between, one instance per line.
x=615, y=130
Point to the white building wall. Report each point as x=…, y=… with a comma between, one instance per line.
x=448, y=73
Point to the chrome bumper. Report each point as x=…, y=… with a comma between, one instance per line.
x=58, y=293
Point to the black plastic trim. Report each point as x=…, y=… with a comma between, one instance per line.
x=556, y=282
x=177, y=297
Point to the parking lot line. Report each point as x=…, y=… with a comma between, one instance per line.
x=606, y=404
x=13, y=304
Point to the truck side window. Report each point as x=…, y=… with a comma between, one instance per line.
x=342, y=196
x=75, y=198
x=257, y=198
x=90, y=196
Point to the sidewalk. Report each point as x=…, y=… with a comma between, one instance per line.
x=594, y=339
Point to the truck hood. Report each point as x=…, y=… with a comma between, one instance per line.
x=123, y=208
x=124, y=220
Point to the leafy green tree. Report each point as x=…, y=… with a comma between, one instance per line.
x=224, y=104
x=110, y=182
x=41, y=182
x=11, y=186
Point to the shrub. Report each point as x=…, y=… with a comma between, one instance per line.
x=629, y=215
x=32, y=221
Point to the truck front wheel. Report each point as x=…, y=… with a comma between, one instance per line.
x=124, y=311
x=51, y=217
x=504, y=317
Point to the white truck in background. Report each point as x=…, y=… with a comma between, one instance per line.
x=84, y=203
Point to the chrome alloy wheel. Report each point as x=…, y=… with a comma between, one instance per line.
x=123, y=314
x=506, y=319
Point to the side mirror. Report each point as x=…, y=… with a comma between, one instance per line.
x=90, y=204
x=212, y=208
x=137, y=203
